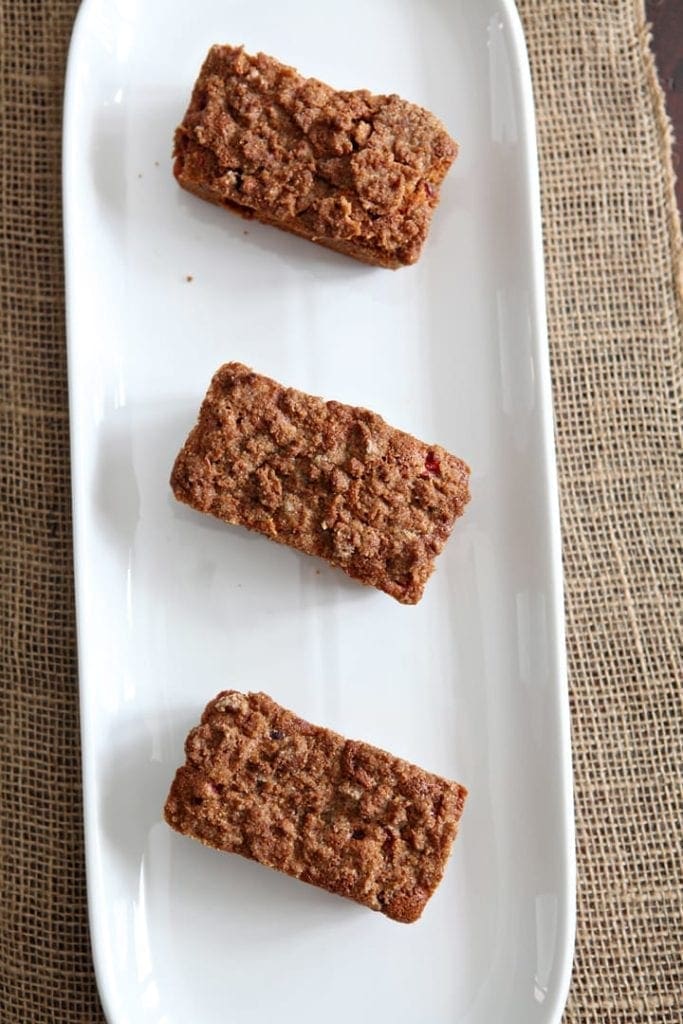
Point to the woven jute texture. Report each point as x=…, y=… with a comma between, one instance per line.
x=613, y=254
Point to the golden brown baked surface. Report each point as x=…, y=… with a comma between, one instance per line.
x=356, y=172
x=329, y=479
x=337, y=813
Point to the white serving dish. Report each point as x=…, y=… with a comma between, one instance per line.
x=173, y=607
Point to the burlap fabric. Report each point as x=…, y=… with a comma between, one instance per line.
x=613, y=253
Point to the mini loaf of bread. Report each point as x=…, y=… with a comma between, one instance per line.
x=355, y=172
x=337, y=813
x=329, y=479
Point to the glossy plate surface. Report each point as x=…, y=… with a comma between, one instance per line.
x=173, y=606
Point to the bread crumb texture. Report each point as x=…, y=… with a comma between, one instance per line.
x=329, y=479
x=337, y=813
x=356, y=172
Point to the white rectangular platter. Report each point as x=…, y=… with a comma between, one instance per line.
x=173, y=606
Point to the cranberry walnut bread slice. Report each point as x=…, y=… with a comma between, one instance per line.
x=355, y=172
x=337, y=813
x=329, y=479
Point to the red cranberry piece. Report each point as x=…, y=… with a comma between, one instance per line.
x=432, y=464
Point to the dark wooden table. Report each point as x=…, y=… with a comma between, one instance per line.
x=666, y=17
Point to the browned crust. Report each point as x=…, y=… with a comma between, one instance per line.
x=337, y=813
x=355, y=172
x=331, y=480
